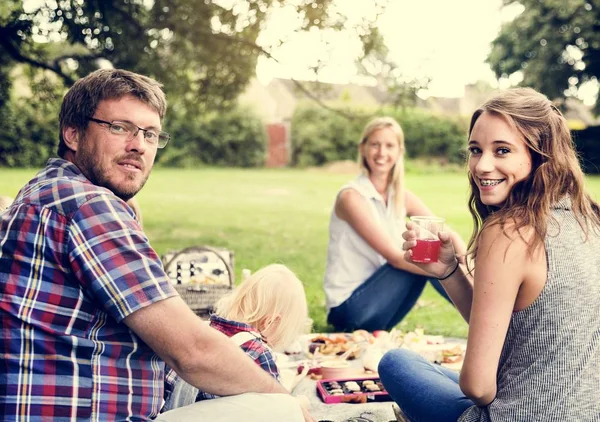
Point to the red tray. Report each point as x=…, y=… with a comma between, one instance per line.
x=326, y=387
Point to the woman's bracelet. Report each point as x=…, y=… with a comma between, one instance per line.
x=451, y=272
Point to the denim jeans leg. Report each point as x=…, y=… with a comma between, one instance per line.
x=424, y=391
x=380, y=302
x=418, y=284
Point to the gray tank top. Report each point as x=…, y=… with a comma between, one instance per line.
x=550, y=365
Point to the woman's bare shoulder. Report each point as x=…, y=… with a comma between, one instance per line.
x=501, y=238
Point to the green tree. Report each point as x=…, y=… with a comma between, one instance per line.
x=205, y=52
x=29, y=132
x=554, y=44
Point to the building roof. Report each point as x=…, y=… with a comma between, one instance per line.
x=331, y=92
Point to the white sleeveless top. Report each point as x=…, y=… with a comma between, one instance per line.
x=350, y=260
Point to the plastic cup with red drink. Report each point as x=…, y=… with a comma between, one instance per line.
x=428, y=242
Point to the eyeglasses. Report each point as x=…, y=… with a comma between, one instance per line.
x=130, y=131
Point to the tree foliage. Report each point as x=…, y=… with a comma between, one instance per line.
x=29, y=132
x=554, y=44
x=235, y=137
x=204, y=52
x=320, y=136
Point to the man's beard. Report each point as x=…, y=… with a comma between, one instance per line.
x=90, y=166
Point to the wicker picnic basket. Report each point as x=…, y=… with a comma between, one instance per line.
x=201, y=275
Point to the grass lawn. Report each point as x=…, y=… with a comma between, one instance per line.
x=280, y=215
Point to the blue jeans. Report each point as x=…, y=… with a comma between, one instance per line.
x=381, y=301
x=424, y=391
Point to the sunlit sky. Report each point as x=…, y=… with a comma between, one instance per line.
x=447, y=41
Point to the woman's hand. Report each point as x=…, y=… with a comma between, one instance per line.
x=447, y=260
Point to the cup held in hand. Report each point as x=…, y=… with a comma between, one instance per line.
x=428, y=242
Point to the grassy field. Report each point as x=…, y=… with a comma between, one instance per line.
x=280, y=215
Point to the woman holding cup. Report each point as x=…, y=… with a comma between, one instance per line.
x=428, y=244
x=533, y=350
x=368, y=282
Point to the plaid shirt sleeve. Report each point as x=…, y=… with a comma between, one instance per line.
x=112, y=258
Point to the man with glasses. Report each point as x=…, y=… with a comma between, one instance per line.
x=87, y=315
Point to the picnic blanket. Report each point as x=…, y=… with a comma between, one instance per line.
x=431, y=347
x=364, y=412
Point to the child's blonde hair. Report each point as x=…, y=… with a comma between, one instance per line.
x=271, y=292
x=5, y=202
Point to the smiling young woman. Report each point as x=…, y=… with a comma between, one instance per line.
x=498, y=158
x=533, y=350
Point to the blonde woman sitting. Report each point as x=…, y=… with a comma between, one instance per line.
x=368, y=282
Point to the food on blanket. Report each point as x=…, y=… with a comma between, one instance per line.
x=317, y=342
x=352, y=386
x=331, y=349
x=335, y=344
x=338, y=338
x=313, y=369
x=353, y=390
x=416, y=337
x=338, y=349
x=452, y=355
x=320, y=339
x=380, y=333
x=360, y=336
x=435, y=339
x=332, y=338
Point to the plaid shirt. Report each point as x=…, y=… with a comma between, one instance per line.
x=73, y=264
x=256, y=348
